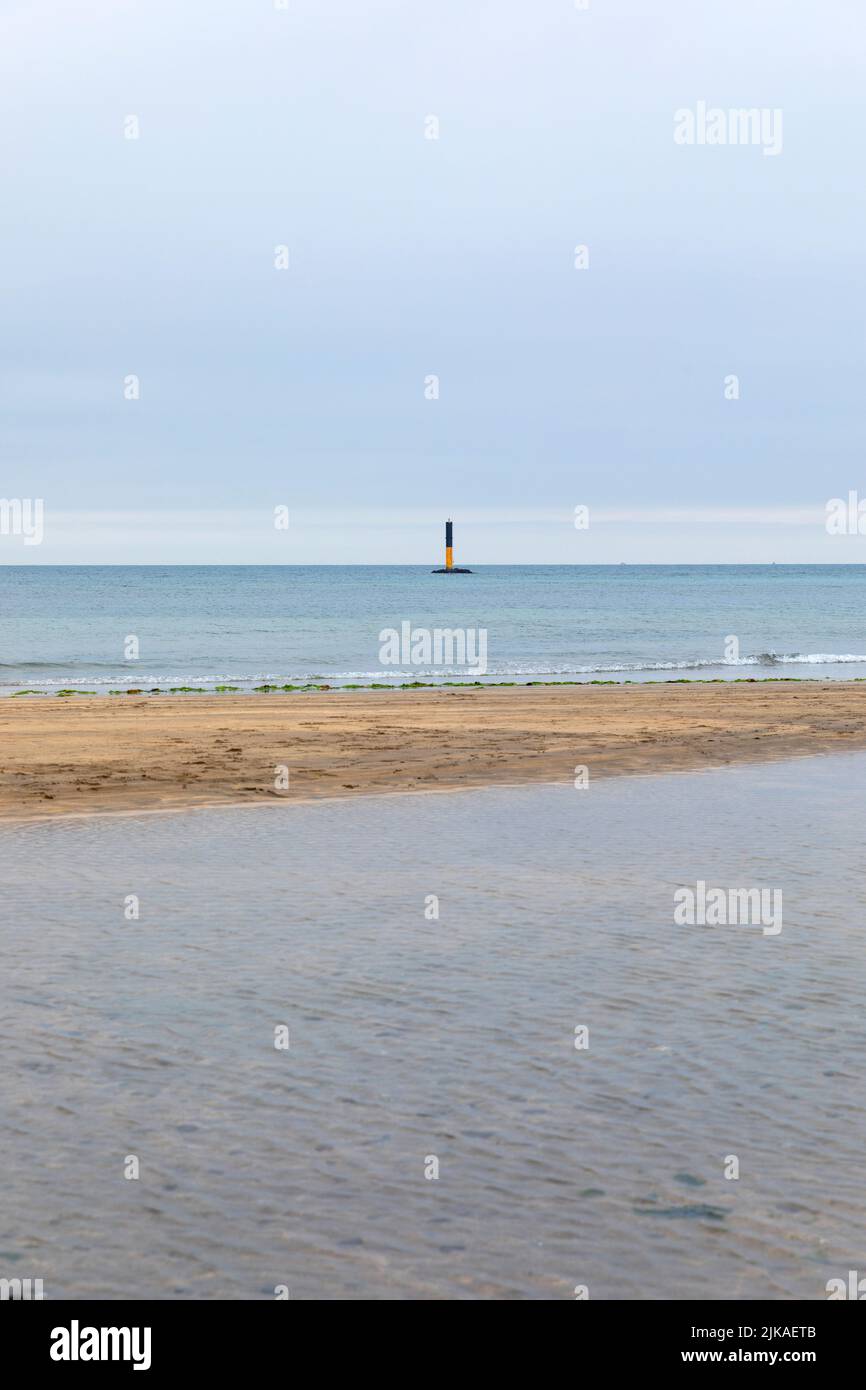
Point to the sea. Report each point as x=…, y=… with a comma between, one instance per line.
x=441, y=1046
x=246, y=626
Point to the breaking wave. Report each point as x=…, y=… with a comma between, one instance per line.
x=124, y=677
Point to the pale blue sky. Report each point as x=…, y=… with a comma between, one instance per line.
x=305, y=126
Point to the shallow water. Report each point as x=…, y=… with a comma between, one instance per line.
x=452, y=1037
x=244, y=625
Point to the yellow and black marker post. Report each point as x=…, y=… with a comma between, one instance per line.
x=450, y=567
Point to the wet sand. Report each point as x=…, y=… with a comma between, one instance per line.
x=135, y=753
x=453, y=1036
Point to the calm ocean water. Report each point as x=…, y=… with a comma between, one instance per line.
x=412, y=1038
x=246, y=625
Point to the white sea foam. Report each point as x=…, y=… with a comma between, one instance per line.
x=125, y=679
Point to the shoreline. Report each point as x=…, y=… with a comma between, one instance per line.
x=65, y=758
x=66, y=692
x=42, y=817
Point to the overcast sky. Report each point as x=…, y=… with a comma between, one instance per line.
x=412, y=257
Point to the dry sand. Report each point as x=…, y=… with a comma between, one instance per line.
x=130, y=752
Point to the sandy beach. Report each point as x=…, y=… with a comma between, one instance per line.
x=134, y=753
